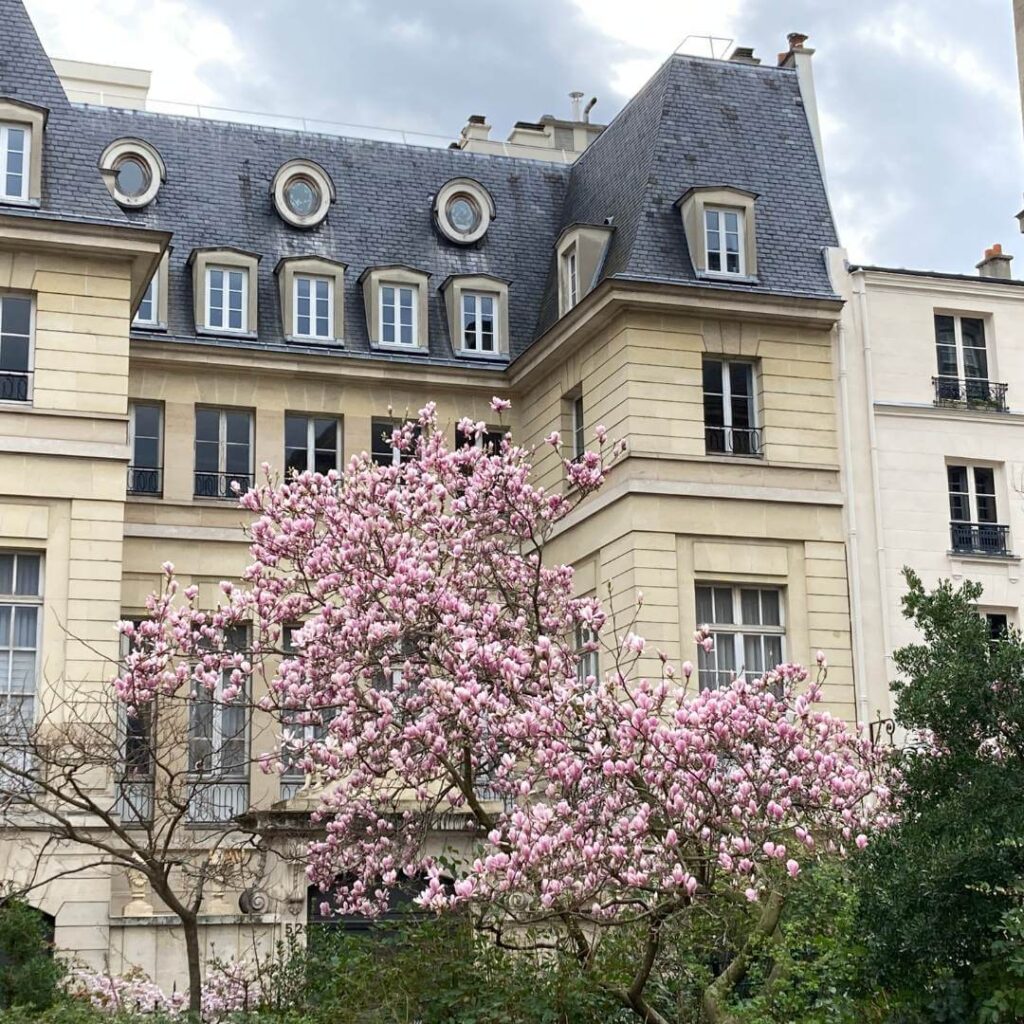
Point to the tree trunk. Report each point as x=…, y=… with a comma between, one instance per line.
x=190, y=924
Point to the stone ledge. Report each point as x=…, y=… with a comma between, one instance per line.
x=171, y=921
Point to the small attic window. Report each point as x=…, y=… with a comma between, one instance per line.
x=723, y=235
x=463, y=210
x=133, y=172
x=719, y=224
x=14, y=157
x=21, y=151
x=302, y=192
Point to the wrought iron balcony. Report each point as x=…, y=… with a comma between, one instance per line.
x=145, y=480
x=972, y=392
x=979, y=538
x=733, y=441
x=14, y=385
x=218, y=485
x=213, y=801
x=291, y=785
x=135, y=800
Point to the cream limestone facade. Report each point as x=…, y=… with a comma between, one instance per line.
x=905, y=432
x=729, y=506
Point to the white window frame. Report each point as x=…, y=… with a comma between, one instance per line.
x=738, y=631
x=571, y=275
x=311, y=449
x=30, y=369
x=958, y=342
x=153, y=292
x=26, y=167
x=588, y=662
x=972, y=491
x=313, y=280
x=227, y=270
x=477, y=347
x=722, y=250
x=414, y=291
x=14, y=601
x=218, y=735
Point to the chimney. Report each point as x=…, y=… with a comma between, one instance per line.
x=575, y=97
x=476, y=130
x=798, y=57
x=995, y=263
x=744, y=55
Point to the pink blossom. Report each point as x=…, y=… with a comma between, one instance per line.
x=500, y=404
x=792, y=868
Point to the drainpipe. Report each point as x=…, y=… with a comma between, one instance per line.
x=876, y=497
x=853, y=539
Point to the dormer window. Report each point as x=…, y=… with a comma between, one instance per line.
x=21, y=151
x=224, y=286
x=15, y=141
x=397, y=314
x=312, y=291
x=477, y=307
x=302, y=192
x=463, y=210
x=226, y=298
x=718, y=221
x=478, y=311
x=580, y=253
x=395, y=299
x=723, y=237
x=133, y=172
x=147, y=315
x=152, y=310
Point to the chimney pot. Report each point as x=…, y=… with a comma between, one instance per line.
x=574, y=98
x=796, y=40
x=995, y=264
x=477, y=119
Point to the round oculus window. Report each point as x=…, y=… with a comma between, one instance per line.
x=301, y=196
x=463, y=213
x=132, y=176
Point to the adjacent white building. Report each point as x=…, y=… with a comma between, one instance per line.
x=931, y=375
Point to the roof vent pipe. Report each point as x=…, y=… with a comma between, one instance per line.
x=588, y=108
x=574, y=97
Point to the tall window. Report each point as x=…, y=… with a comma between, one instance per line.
x=730, y=415
x=723, y=233
x=962, y=358
x=227, y=296
x=310, y=444
x=579, y=428
x=478, y=331
x=314, y=307
x=218, y=747
x=490, y=440
x=570, y=278
x=14, y=161
x=15, y=346
x=397, y=314
x=748, y=630
x=148, y=312
x=973, y=518
x=587, y=663
x=223, y=451
x=145, y=474
x=21, y=589
x=382, y=451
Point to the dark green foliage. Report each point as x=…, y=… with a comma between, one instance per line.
x=939, y=886
x=29, y=975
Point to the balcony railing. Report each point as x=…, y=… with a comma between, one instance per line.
x=733, y=441
x=145, y=480
x=973, y=392
x=211, y=802
x=14, y=385
x=135, y=800
x=290, y=785
x=218, y=485
x=979, y=538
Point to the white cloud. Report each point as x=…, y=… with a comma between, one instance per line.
x=172, y=38
x=657, y=28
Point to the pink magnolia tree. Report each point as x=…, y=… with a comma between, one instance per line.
x=434, y=677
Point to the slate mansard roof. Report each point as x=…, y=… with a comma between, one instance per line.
x=696, y=122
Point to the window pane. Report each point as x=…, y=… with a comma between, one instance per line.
x=25, y=619
x=13, y=353
x=15, y=314
x=750, y=607
x=6, y=618
x=207, y=456
x=28, y=575
x=945, y=333
x=295, y=461
x=380, y=441
x=326, y=434
x=146, y=454
x=6, y=573
x=972, y=330
x=324, y=461
x=705, y=607
x=237, y=424
x=772, y=651
x=753, y=660
x=984, y=480
x=295, y=431
x=946, y=355
x=147, y=420
x=959, y=507
x=723, y=605
x=23, y=672
x=236, y=460
x=207, y=425
x=770, y=608
x=725, y=647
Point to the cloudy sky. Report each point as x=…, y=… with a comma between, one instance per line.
x=918, y=98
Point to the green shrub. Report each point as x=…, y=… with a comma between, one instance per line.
x=29, y=974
